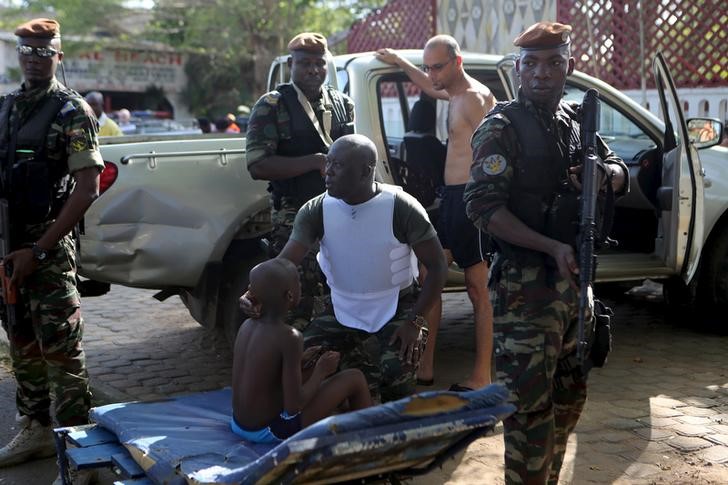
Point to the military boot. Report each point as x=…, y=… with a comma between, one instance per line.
x=32, y=441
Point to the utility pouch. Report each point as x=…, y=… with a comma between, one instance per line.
x=562, y=221
x=32, y=189
x=602, y=339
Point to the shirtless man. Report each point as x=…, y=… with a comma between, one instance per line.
x=443, y=77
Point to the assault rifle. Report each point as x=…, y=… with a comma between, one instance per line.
x=9, y=292
x=587, y=225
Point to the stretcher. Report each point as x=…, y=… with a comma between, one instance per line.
x=187, y=439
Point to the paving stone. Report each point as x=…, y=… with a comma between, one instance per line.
x=658, y=422
x=687, y=444
x=623, y=424
x=661, y=412
x=653, y=434
x=642, y=470
x=696, y=411
x=715, y=454
x=693, y=419
x=719, y=428
x=666, y=402
x=628, y=413
x=721, y=439
x=702, y=402
x=691, y=429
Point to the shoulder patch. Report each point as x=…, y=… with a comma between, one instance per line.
x=67, y=109
x=494, y=164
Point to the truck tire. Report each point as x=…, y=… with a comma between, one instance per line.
x=238, y=261
x=714, y=273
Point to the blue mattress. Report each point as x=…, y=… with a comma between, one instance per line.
x=188, y=438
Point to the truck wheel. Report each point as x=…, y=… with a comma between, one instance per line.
x=238, y=263
x=680, y=300
x=714, y=273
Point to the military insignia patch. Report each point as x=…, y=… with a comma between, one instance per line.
x=67, y=108
x=494, y=165
x=79, y=144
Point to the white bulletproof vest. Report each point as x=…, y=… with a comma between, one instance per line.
x=365, y=265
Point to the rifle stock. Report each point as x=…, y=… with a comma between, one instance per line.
x=587, y=222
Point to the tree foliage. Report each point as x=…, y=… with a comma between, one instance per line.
x=77, y=17
x=232, y=42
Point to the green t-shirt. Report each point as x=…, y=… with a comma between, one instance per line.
x=410, y=225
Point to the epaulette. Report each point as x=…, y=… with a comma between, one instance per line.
x=272, y=97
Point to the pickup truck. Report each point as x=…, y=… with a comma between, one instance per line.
x=182, y=214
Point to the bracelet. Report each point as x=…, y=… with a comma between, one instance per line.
x=419, y=322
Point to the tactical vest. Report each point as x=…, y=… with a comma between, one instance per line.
x=540, y=194
x=305, y=140
x=35, y=186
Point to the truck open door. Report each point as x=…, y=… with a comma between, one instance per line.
x=681, y=194
x=508, y=76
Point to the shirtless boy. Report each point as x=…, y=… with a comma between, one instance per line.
x=271, y=401
x=442, y=77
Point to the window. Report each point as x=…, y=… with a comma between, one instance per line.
x=622, y=134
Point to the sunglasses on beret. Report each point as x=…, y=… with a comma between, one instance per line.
x=27, y=50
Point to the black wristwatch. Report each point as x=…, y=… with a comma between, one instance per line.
x=39, y=254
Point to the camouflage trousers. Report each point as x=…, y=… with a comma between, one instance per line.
x=535, y=336
x=312, y=280
x=388, y=377
x=45, y=343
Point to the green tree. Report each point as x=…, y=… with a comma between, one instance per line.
x=231, y=43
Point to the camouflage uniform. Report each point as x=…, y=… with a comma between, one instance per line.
x=45, y=344
x=388, y=377
x=535, y=311
x=270, y=122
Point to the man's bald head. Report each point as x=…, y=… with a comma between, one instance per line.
x=96, y=100
x=275, y=284
x=350, y=166
x=446, y=41
x=356, y=148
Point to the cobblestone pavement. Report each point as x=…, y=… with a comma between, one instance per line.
x=658, y=413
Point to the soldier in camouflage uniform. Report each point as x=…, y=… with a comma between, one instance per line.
x=289, y=132
x=524, y=192
x=373, y=316
x=50, y=165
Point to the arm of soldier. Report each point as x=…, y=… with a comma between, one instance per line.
x=261, y=144
x=415, y=74
x=487, y=194
x=618, y=171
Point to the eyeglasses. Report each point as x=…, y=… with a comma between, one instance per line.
x=27, y=50
x=436, y=67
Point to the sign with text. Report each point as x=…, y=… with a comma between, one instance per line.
x=126, y=70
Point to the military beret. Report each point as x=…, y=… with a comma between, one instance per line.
x=39, y=28
x=308, y=41
x=544, y=35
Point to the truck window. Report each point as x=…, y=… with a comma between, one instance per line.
x=622, y=134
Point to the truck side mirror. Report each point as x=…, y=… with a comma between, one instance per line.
x=705, y=132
